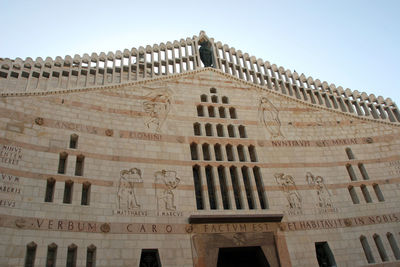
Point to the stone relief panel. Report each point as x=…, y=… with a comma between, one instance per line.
x=269, y=117
x=288, y=186
x=126, y=195
x=166, y=182
x=157, y=106
x=324, y=204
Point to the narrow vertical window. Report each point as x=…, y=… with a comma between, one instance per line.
x=220, y=130
x=206, y=152
x=193, y=151
x=197, y=129
x=91, y=256
x=62, y=163
x=242, y=131
x=229, y=152
x=79, y=165
x=213, y=90
x=232, y=113
x=324, y=255
x=393, y=245
x=378, y=192
x=208, y=130
x=211, y=187
x=30, y=255
x=247, y=187
x=224, y=187
x=73, y=141
x=211, y=111
x=366, y=194
x=68, y=192
x=200, y=111
x=231, y=131
x=85, y=193
x=236, y=188
x=51, y=255
x=218, y=152
x=214, y=99
x=225, y=100
x=71, y=256
x=353, y=195
x=381, y=248
x=260, y=188
x=367, y=249
x=203, y=98
x=240, y=151
x=221, y=111
x=50, y=187
x=198, y=187
x=252, y=153
x=351, y=172
x=349, y=153
x=363, y=171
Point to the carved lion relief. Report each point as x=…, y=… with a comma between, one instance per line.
x=126, y=196
x=157, y=106
x=269, y=117
x=166, y=183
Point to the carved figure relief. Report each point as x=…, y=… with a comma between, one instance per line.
x=166, y=182
x=157, y=106
x=324, y=196
x=288, y=186
x=126, y=197
x=269, y=117
x=206, y=50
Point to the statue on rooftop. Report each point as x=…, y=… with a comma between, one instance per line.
x=206, y=51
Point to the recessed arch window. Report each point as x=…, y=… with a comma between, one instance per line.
x=242, y=131
x=380, y=247
x=393, y=245
x=236, y=188
x=68, y=192
x=211, y=187
x=367, y=249
x=231, y=130
x=51, y=255
x=203, y=98
x=80, y=159
x=229, y=152
x=363, y=171
x=351, y=172
x=214, y=99
x=62, y=163
x=378, y=192
x=193, y=151
x=260, y=187
x=224, y=187
x=85, y=199
x=197, y=129
x=200, y=111
x=221, y=111
x=30, y=254
x=198, y=187
x=225, y=100
x=211, y=111
x=220, y=130
x=218, y=152
x=241, y=154
x=252, y=153
x=232, y=113
x=247, y=186
x=353, y=195
x=71, y=255
x=73, y=141
x=366, y=194
x=349, y=153
x=206, y=151
x=91, y=256
x=50, y=188
x=209, y=131
x=213, y=90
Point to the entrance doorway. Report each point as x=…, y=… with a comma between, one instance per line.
x=242, y=257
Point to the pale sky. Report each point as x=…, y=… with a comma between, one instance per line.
x=353, y=43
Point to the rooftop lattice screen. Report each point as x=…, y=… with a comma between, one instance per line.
x=21, y=77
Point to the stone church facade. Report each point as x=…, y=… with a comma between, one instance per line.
x=146, y=157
